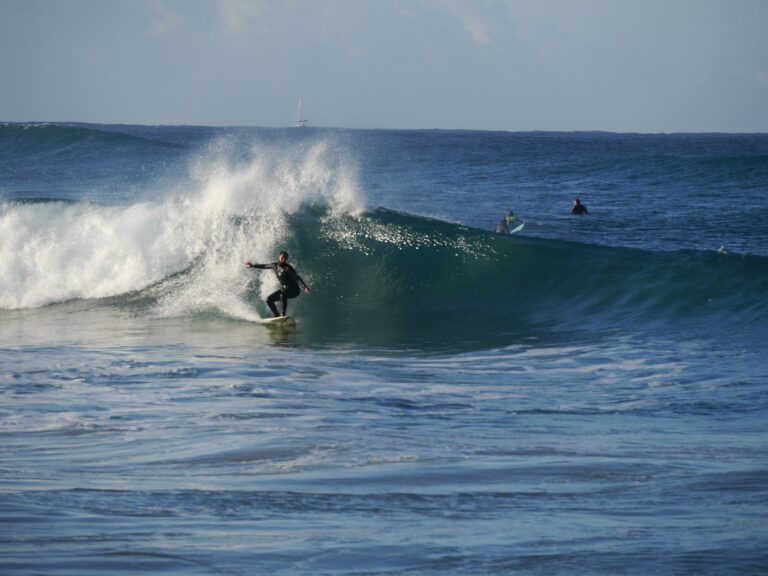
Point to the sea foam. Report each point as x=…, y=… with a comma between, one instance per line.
x=228, y=211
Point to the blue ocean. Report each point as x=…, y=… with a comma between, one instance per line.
x=586, y=396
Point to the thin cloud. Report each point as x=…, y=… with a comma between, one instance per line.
x=472, y=24
x=242, y=16
x=163, y=20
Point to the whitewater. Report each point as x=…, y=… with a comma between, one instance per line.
x=586, y=397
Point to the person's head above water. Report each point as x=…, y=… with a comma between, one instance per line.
x=282, y=256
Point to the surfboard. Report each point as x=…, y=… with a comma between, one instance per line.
x=513, y=231
x=281, y=321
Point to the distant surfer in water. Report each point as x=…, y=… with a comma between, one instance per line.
x=289, y=281
x=578, y=207
x=503, y=226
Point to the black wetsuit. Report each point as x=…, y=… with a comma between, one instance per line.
x=289, y=284
x=579, y=209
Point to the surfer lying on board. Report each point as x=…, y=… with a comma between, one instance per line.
x=288, y=278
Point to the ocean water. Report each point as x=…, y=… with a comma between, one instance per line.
x=589, y=396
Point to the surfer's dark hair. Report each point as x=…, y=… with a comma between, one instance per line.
x=283, y=252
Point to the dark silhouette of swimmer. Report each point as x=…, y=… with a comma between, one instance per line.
x=289, y=281
x=578, y=207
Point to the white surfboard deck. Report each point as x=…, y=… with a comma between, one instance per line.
x=517, y=228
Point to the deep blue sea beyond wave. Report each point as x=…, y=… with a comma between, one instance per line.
x=588, y=396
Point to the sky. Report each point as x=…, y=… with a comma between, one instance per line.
x=614, y=65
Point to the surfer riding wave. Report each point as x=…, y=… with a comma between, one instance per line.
x=289, y=282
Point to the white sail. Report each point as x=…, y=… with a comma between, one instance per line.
x=300, y=122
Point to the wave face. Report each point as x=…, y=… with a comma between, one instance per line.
x=387, y=274
x=378, y=277
x=171, y=242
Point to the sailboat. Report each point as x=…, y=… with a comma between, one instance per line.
x=300, y=122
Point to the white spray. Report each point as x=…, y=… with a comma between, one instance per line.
x=52, y=252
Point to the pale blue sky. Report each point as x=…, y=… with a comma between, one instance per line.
x=616, y=65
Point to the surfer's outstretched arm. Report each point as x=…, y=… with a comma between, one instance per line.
x=250, y=264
